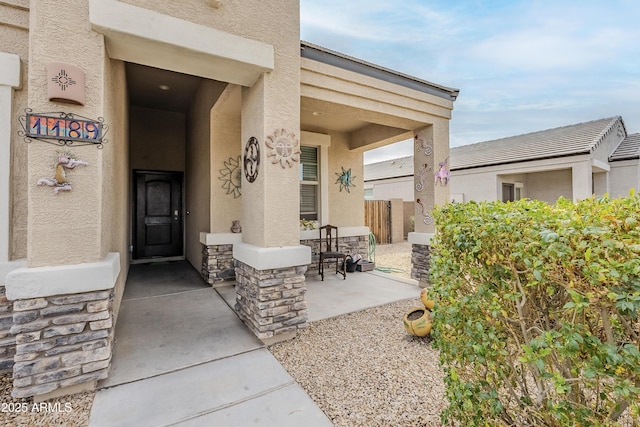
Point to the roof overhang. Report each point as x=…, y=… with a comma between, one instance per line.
x=170, y=43
x=330, y=57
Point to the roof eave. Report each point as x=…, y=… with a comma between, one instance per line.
x=330, y=57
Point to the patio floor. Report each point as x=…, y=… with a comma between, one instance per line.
x=183, y=357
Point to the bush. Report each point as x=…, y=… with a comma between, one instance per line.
x=537, y=311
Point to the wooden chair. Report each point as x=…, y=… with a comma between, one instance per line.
x=330, y=244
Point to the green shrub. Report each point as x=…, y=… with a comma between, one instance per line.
x=537, y=311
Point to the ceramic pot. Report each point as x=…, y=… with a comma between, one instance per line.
x=417, y=321
x=235, y=227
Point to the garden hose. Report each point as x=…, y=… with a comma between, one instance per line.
x=372, y=257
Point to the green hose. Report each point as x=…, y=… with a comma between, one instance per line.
x=372, y=257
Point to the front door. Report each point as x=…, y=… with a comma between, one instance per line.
x=158, y=214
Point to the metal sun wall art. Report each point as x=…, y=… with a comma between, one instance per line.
x=65, y=161
x=230, y=176
x=251, y=159
x=345, y=179
x=284, y=147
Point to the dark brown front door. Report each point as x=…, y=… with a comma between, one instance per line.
x=158, y=216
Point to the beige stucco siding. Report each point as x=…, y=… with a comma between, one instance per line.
x=198, y=169
x=226, y=148
x=59, y=227
x=549, y=186
x=345, y=208
x=116, y=193
x=624, y=175
x=387, y=189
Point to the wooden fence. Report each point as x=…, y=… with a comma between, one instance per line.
x=377, y=216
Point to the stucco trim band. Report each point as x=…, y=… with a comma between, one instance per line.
x=26, y=283
x=174, y=44
x=8, y=267
x=420, y=238
x=271, y=258
x=210, y=239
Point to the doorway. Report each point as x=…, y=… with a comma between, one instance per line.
x=158, y=231
x=508, y=192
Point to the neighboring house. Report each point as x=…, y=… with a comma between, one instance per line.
x=573, y=162
x=141, y=130
x=389, y=179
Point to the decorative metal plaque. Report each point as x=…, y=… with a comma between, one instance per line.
x=63, y=129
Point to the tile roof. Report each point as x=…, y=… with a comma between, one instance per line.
x=558, y=142
x=394, y=168
x=629, y=148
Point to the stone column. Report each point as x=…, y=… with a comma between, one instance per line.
x=270, y=260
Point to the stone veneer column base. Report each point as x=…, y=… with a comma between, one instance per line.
x=7, y=340
x=350, y=245
x=270, y=290
x=61, y=341
x=420, y=257
x=217, y=264
x=217, y=257
x=63, y=326
x=271, y=302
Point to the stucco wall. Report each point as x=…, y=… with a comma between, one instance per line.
x=64, y=229
x=386, y=189
x=198, y=169
x=346, y=209
x=157, y=139
x=14, y=39
x=624, y=175
x=226, y=198
x=550, y=185
x=609, y=143
x=116, y=200
x=271, y=203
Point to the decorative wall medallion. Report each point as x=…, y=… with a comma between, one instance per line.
x=425, y=212
x=345, y=179
x=60, y=128
x=423, y=143
x=284, y=147
x=251, y=159
x=65, y=83
x=65, y=160
x=421, y=176
x=442, y=176
x=230, y=176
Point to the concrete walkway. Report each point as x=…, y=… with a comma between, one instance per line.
x=183, y=357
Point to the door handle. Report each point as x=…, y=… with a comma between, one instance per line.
x=175, y=215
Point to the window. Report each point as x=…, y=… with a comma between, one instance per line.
x=309, y=183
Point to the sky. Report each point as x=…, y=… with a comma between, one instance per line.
x=521, y=65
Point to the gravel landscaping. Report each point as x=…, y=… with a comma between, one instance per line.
x=363, y=369
x=68, y=411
